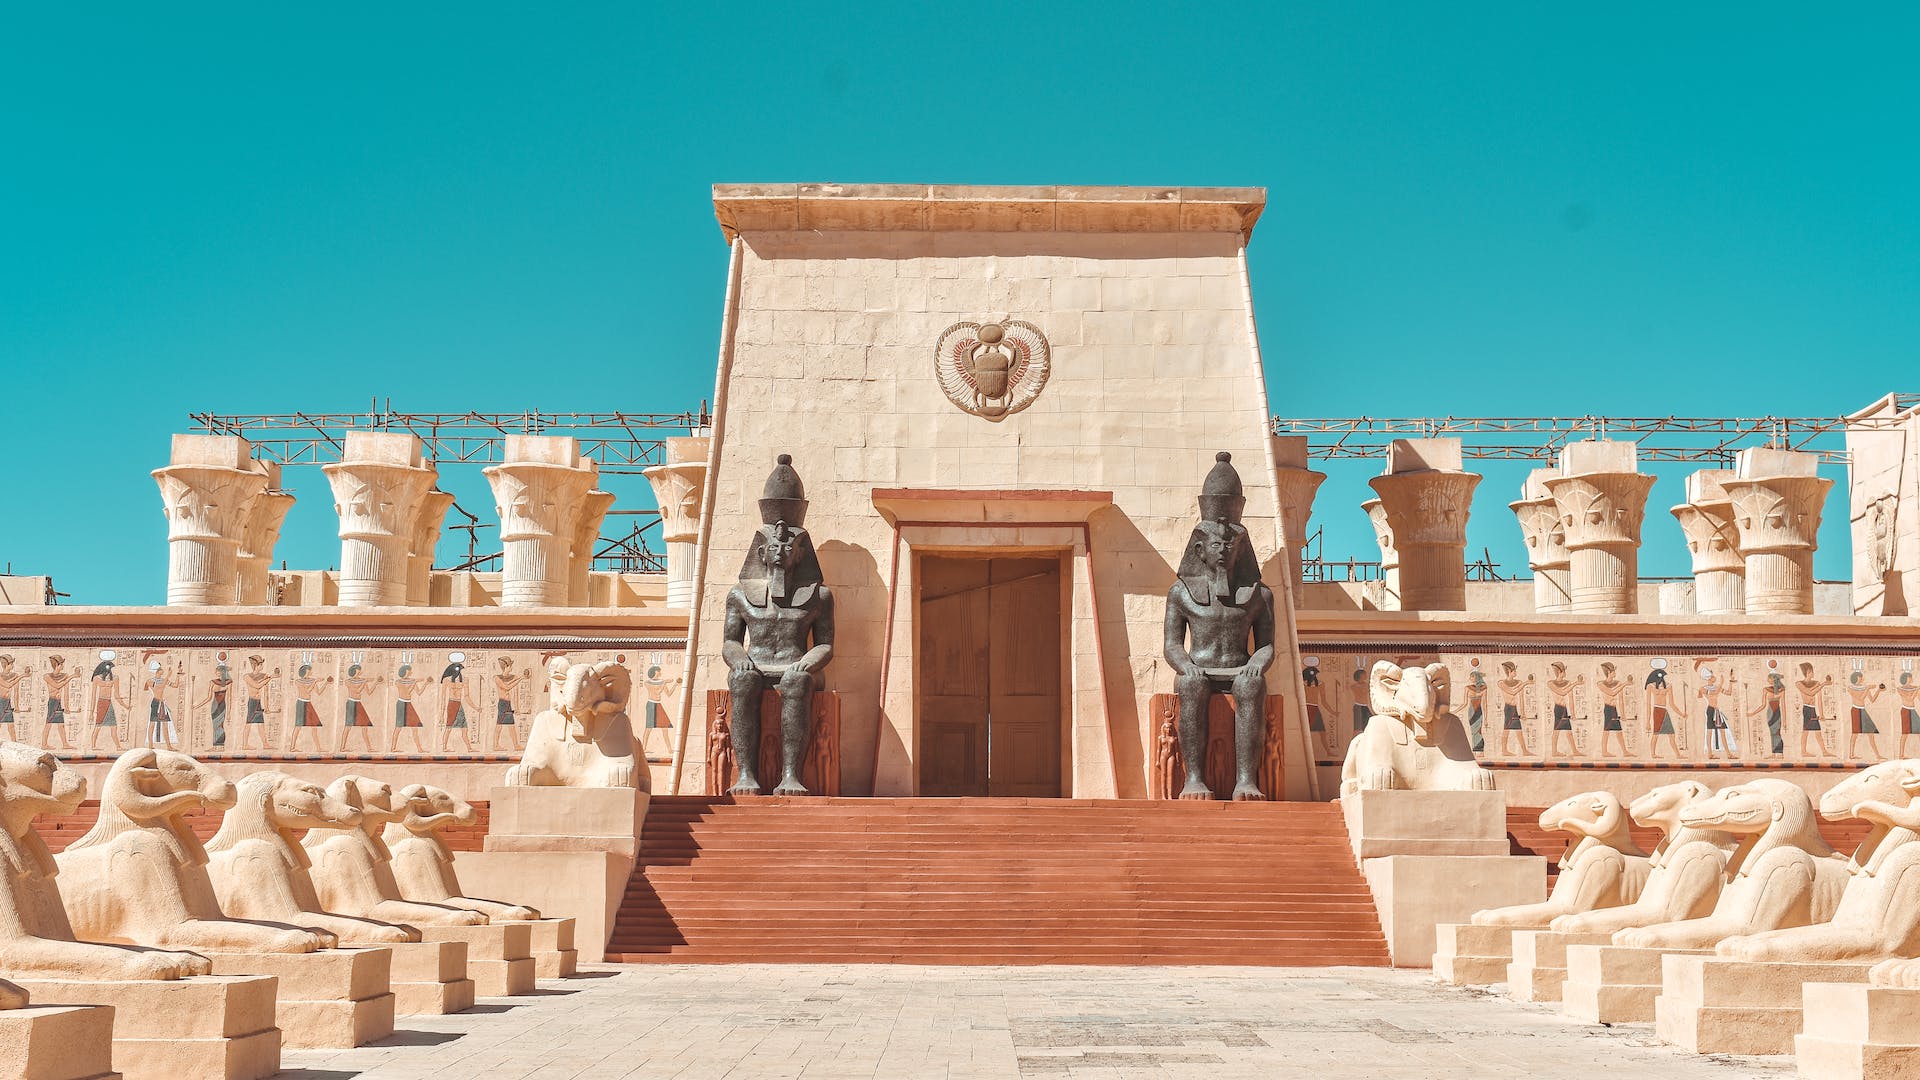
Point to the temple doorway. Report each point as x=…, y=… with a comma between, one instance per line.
x=989, y=659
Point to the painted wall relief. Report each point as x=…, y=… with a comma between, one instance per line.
x=254, y=700
x=1647, y=707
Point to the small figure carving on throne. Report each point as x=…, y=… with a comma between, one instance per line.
x=779, y=633
x=1215, y=606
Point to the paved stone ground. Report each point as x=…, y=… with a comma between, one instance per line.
x=750, y=1022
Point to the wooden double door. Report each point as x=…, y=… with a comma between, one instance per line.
x=989, y=679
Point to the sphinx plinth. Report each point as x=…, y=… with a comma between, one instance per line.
x=208, y=490
x=331, y=999
x=499, y=955
x=1719, y=570
x=1712, y=1005
x=57, y=1042
x=208, y=1026
x=1602, y=500
x=1855, y=1032
x=1777, y=499
x=377, y=486
x=565, y=851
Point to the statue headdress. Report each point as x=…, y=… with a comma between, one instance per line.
x=783, y=511
x=1221, y=503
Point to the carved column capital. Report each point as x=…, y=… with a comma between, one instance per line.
x=207, y=491
x=1601, y=498
x=1601, y=509
x=422, y=539
x=1547, y=554
x=1426, y=498
x=1778, y=499
x=586, y=531
x=680, y=487
x=377, y=488
x=1389, y=599
x=261, y=534
x=538, y=492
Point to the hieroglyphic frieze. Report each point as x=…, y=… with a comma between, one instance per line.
x=256, y=700
x=1645, y=707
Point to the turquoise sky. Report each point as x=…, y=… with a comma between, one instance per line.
x=1473, y=209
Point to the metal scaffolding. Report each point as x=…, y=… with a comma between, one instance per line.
x=622, y=443
x=1713, y=439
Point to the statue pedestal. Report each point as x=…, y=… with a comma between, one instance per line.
x=209, y=1026
x=1539, y=965
x=551, y=943
x=499, y=956
x=331, y=999
x=1221, y=766
x=819, y=769
x=1855, y=1032
x=57, y=1042
x=565, y=851
x=1436, y=857
x=1469, y=955
x=430, y=978
x=1613, y=984
x=1711, y=1005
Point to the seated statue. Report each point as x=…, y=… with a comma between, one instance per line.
x=1411, y=742
x=1781, y=873
x=1216, y=605
x=1879, y=914
x=140, y=875
x=36, y=940
x=583, y=738
x=422, y=862
x=1686, y=867
x=1602, y=868
x=260, y=871
x=779, y=633
x=353, y=870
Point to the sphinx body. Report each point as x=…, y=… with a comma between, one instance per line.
x=584, y=737
x=422, y=862
x=1602, y=868
x=353, y=870
x=140, y=875
x=1685, y=869
x=1779, y=874
x=260, y=871
x=36, y=939
x=1879, y=913
x=1411, y=742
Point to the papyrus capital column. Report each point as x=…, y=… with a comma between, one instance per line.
x=377, y=488
x=207, y=490
x=1426, y=498
x=269, y=512
x=1295, y=484
x=1602, y=499
x=679, y=486
x=1389, y=554
x=586, y=531
x=1719, y=570
x=423, y=537
x=538, y=491
x=1778, y=498
x=1546, y=541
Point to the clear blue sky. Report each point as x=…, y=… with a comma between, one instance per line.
x=1479, y=209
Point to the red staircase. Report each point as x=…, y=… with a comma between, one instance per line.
x=995, y=881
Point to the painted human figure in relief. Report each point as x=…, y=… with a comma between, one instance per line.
x=1613, y=697
x=406, y=718
x=1773, y=708
x=506, y=685
x=1316, y=704
x=1909, y=696
x=1862, y=726
x=1362, y=709
x=1662, y=710
x=307, y=689
x=10, y=684
x=108, y=704
x=219, y=692
x=1476, y=703
x=1720, y=738
x=161, y=731
x=1809, y=689
x=1560, y=689
x=256, y=688
x=56, y=681
x=1513, y=697
x=355, y=688
x=458, y=699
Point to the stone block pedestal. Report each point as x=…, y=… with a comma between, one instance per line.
x=499, y=956
x=1612, y=984
x=211, y=1026
x=1855, y=1032
x=430, y=978
x=57, y=1042
x=564, y=819
x=1469, y=955
x=566, y=851
x=331, y=999
x=1711, y=1005
x=1435, y=857
x=1539, y=967
x=554, y=956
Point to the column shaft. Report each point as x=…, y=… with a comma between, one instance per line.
x=208, y=491
x=377, y=489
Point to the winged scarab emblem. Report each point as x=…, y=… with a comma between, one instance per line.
x=992, y=370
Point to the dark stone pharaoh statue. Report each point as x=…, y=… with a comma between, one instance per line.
x=779, y=633
x=1213, y=609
